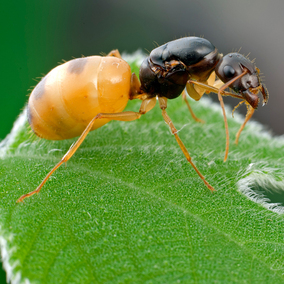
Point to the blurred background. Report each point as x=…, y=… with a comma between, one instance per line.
x=36, y=35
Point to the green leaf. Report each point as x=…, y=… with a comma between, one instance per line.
x=129, y=208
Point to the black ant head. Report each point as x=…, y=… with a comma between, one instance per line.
x=249, y=85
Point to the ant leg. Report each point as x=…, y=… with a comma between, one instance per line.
x=223, y=109
x=225, y=121
x=213, y=89
x=190, y=109
x=163, y=106
x=248, y=117
x=146, y=106
x=221, y=92
x=233, y=111
x=114, y=53
x=192, y=92
x=196, y=91
x=135, y=88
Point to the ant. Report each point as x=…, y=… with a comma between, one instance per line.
x=85, y=93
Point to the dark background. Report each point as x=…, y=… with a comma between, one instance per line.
x=36, y=35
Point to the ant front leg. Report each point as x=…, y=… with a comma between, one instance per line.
x=146, y=106
x=163, y=106
x=196, y=92
x=250, y=112
x=221, y=92
x=210, y=89
x=190, y=109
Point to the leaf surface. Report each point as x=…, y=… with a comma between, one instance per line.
x=128, y=208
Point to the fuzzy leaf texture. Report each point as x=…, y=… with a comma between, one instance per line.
x=129, y=208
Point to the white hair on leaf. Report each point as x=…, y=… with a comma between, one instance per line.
x=260, y=181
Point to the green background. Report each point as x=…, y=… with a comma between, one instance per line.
x=36, y=35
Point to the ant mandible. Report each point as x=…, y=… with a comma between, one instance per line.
x=86, y=93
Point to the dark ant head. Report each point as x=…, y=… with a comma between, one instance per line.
x=249, y=85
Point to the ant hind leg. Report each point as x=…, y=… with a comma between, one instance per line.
x=146, y=106
x=114, y=53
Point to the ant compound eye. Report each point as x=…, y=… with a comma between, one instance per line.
x=229, y=71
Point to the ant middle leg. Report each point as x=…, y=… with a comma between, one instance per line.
x=163, y=106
